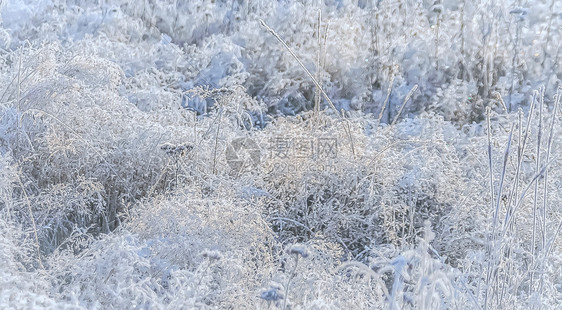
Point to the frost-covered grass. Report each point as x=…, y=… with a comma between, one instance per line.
x=143, y=164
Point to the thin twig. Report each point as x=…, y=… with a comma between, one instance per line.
x=404, y=103
x=301, y=64
x=388, y=92
x=28, y=202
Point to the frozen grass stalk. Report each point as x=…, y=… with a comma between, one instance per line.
x=540, y=101
x=493, y=246
x=545, y=188
x=318, y=67
x=297, y=251
x=437, y=9
x=519, y=14
x=559, y=227
x=520, y=151
x=410, y=93
x=33, y=225
x=301, y=64
x=388, y=92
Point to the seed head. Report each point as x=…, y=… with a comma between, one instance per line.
x=212, y=255
x=271, y=294
x=298, y=250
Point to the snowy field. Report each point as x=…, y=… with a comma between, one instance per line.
x=229, y=154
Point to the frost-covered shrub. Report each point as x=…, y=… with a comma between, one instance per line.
x=212, y=251
x=181, y=251
x=382, y=194
x=80, y=144
x=310, y=279
x=20, y=288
